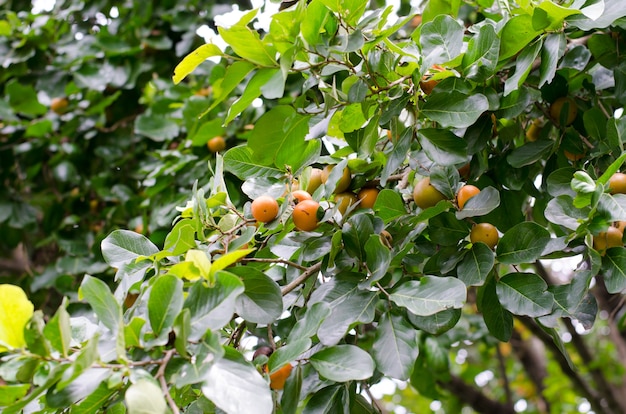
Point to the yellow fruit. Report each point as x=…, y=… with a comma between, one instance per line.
x=300, y=195
x=559, y=105
x=621, y=226
x=279, y=377
x=465, y=193
x=617, y=183
x=427, y=85
x=315, y=180
x=216, y=144
x=533, y=131
x=612, y=237
x=305, y=215
x=485, y=233
x=344, y=181
x=264, y=209
x=59, y=105
x=368, y=197
x=344, y=201
x=425, y=195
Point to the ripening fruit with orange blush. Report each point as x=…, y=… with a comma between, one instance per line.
x=427, y=85
x=612, y=237
x=465, y=193
x=279, y=377
x=617, y=183
x=485, y=233
x=59, y=105
x=559, y=106
x=425, y=195
x=305, y=215
x=300, y=195
x=216, y=144
x=368, y=197
x=264, y=209
x=344, y=201
x=344, y=181
x=534, y=130
x=315, y=180
x=621, y=226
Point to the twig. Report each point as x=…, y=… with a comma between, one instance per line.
x=505, y=379
x=301, y=279
x=161, y=376
x=268, y=260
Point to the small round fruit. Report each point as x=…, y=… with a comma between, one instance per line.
x=557, y=108
x=465, y=193
x=533, y=131
x=344, y=181
x=612, y=237
x=279, y=377
x=386, y=238
x=427, y=85
x=315, y=180
x=617, y=183
x=344, y=201
x=216, y=144
x=262, y=350
x=485, y=233
x=300, y=195
x=464, y=171
x=264, y=209
x=425, y=195
x=368, y=197
x=572, y=156
x=59, y=105
x=621, y=226
x=305, y=215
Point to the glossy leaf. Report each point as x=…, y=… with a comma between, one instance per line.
x=145, y=397
x=430, y=295
x=524, y=294
x=524, y=243
x=123, y=246
x=15, y=312
x=102, y=301
x=192, y=60
x=476, y=265
x=261, y=301
x=343, y=363
x=164, y=303
x=395, y=347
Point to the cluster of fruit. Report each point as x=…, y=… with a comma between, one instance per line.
x=305, y=212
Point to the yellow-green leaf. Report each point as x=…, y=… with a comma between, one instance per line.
x=200, y=260
x=195, y=58
x=15, y=312
x=229, y=259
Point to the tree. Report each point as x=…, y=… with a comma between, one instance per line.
x=202, y=312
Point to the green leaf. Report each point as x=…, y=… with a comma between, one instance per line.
x=23, y=98
x=331, y=399
x=395, y=347
x=556, y=14
x=15, y=312
x=182, y=329
x=235, y=386
x=455, y=109
x=288, y=353
x=430, y=295
x=561, y=210
x=252, y=91
x=441, y=40
x=193, y=60
x=523, y=65
x=165, y=303
x=94, y=401
x=614, y=267
x=378, y=258
x=123, y=246
x=481, y=204
x=350, y=10
x=9, y=394
x=443, y=146
x=228, y=259
x=438, y=323
x=233, y=77
x=523, y=243
x=247, y=43
x=481, y=58
x=156, y=127
x=144, y=397
x=516, y=34
x=262, y=301
x=239, y=162
x=211, y=307
x=181, y=238
x=342, y=363
x=476, y=265
x=446, y=230
x=348, y=305
x=553, y=49
x=58, y=330
x=513, y=104
x=309, y=324
x=530, y=153
x=78, y=389
x=499, y=321
x=102, y=301
x=524, y=294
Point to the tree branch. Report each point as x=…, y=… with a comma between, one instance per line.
x=301, y=279
x=475, y=398
x=160, y=375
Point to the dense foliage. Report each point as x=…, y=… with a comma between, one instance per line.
x=109, y=117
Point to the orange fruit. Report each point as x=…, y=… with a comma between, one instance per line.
x=367, y=196
x=485, y=233
x=264, y=209
x=427, y=85
x=315, y=180
x=465, y=193
x=216, y=144
x=300, y=195
x=533, y=131
x=620, y=225
x=612, y=237
x=59, y=105
x=344, y=201
x=572, y=156
x=561, y=104
x=617, y=183
x=344, y=181
x=425, y=195
x=279, y=377
x=305, y=215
